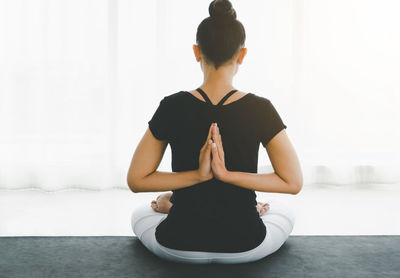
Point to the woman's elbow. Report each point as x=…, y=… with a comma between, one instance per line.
x=133, y=185
x=296, y=184
x=296, y=188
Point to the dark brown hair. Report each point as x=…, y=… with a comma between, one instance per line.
x=221, y=35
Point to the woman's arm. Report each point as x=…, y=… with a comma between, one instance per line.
x=142, y=175
x=287, y=176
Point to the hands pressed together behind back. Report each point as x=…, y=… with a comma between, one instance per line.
x=212, y=157
x=211, y=164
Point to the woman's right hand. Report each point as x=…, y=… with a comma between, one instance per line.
x=204, y=170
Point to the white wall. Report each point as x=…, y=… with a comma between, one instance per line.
x=80, y=79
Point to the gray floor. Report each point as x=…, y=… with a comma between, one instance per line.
x=120, y=256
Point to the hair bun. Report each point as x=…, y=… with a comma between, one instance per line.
x=222, y=10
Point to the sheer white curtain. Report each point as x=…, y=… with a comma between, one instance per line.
x=80, y=79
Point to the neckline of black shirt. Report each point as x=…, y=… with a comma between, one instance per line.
x=218, y=106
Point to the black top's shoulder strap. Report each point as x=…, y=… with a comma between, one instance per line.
x=226, y=97
x=204, y=95
x=220, y=102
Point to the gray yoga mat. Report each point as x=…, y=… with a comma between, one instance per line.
x=112, y=257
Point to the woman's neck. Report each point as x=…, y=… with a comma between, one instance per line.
x=217, y=83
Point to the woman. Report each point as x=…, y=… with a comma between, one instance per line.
x=214, y=133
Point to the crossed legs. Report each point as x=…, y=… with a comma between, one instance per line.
x=279, y=220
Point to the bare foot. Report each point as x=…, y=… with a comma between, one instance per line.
x=162, y=203
x=262, y=207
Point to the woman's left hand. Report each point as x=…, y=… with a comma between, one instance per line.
x=218, y=160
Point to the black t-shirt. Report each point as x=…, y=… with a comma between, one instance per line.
x=214, y=216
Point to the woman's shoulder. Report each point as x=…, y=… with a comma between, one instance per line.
x=179, y=97
x=174, y=97
x=260, y=98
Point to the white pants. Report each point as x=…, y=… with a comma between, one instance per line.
x=278, y=219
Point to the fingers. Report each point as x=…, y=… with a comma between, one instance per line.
x=220, y=143
x=209, y=145
x=214, y=151
x=209, y=135
x=209, y=140
x=217, y=139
